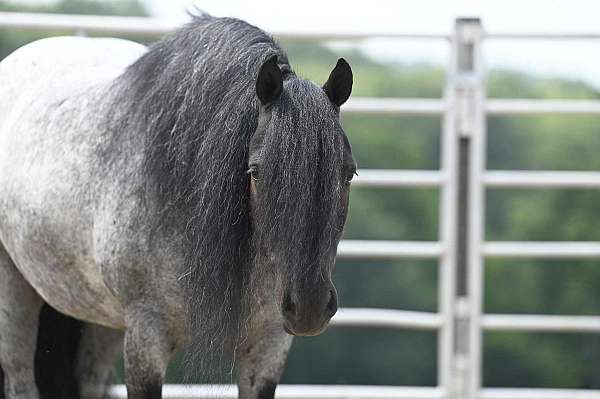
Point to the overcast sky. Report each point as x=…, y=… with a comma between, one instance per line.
x=573, y=59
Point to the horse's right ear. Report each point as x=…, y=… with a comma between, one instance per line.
x=339, y=85
x=269, y=83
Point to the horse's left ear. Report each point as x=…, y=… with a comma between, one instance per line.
x=339, y=85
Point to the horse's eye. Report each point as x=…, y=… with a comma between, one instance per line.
x=254, y=173
x=350, y=176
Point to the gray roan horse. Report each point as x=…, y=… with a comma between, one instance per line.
x=188, y=195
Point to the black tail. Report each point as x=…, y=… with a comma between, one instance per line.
x=55, y=356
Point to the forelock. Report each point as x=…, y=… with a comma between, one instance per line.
x=300, y=188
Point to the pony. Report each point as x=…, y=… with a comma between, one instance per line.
x=187, y=195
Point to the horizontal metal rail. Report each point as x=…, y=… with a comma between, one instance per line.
x=87, y=23
x=156, y=26
x=544, y=36
x=398, y=178
x=367, y=249
x=541, y=323
x=394, y=106
x=538, y=393
x=541, y=179
x=527, y=106
x=434, y=106
x=296, y=392
x=372, y=317
x=542, y=249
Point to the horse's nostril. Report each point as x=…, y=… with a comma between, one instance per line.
x=288, y=307
x=332, y=304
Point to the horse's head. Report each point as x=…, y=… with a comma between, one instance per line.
x=300, y=166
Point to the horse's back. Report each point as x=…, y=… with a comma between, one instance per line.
x=50, y=107
x=54, y=62
x=58, y=63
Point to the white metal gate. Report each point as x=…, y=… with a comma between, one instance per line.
x=462, y=181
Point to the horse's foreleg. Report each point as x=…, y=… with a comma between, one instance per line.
x=19, y=312
x=98, y=350
x=148, y=348
x=260, y=362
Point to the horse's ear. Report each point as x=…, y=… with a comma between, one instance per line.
x=269, y=83
x=339, y=85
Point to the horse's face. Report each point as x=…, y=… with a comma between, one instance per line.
x=300, y=166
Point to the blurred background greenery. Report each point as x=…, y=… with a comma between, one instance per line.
x=381, y=356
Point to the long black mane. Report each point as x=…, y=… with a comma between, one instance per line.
x=193, y=96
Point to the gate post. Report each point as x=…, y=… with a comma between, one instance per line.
x=466, y=125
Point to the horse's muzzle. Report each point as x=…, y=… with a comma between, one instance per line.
x=307, y=312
